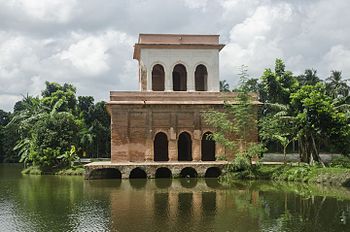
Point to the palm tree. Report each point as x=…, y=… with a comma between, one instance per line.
x=224, y=86
x=336, y=87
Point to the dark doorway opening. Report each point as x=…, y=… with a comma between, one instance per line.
x=188, y=173
x=160, y=146
x=105, y=173
x=158, y=78
x=208, y=147
x=201, y=78
x=184, y=147
x=212, y=172
x=163, y=173
x=138, y=173
x=179, y=78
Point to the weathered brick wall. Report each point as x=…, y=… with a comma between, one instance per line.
x=135, y=126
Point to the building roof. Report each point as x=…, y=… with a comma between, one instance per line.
x=176, y=41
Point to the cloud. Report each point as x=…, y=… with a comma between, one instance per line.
x=44, y=10
x=89, y=43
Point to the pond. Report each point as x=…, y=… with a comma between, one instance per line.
x=64, y=203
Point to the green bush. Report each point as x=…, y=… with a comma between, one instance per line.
x=340, y=162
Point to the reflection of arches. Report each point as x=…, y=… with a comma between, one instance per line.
x=105, y=173
x=208, y=147
x=213, y=172
x=137, y=173
x=201, y=78
x=163, y=173
x=158, y=78
x=179, y=78
x=184, y=147
x=188, y=172
x=160, y=145
x=188, y=182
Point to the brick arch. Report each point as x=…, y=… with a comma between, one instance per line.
x=208, y=147
x=184, y=146
x=161, y=147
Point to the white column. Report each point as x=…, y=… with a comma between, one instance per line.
x=168, y=80
x=190, y=79
x=149, y=79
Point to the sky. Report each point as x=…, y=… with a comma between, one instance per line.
x=89, y=43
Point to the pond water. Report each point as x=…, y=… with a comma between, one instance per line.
x=62, y=203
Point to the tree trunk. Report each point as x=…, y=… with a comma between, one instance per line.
x=285, y=153
x=316, y=153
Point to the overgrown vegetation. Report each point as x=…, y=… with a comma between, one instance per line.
x=300, y=110
x=49, y=133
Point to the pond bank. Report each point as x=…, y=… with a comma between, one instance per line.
x=73, y=171
x=295, y=173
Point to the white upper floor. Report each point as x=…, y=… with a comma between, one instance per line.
x=169, y=62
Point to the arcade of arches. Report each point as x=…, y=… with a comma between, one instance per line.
x=179, y=77
x=184, y=147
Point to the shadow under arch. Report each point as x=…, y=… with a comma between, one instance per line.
x=188, y=172
x=105, y=173
x=163, y=172
x=138, y=173
x=212, y=172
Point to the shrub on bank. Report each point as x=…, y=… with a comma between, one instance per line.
x=72, y=171
x=293, y=173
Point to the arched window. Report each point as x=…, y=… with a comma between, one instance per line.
x=179, y=78
x=158, y=78
x=160, y=147
x=184, y=147
x=208, y=147
x=201, y=78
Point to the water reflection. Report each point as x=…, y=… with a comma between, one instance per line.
x=188, y=182
x=163, y=183
x=138, y=183
x=52, y=203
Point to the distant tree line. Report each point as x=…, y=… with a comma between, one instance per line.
x=311, y=113
x=42, y=129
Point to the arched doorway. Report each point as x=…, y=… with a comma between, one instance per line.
x=208, y=147
x=179, y=78
x=184, y=147
x=158, y=78
x=201, y=78
x=160, y=147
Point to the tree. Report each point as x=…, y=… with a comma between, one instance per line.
x=309, y=77
x=234, y=125
x=336, y=86
x=316, y=116
x=278, y=127
x=224, y=86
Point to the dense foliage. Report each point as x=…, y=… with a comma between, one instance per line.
x=52, y=130
x=306, y=111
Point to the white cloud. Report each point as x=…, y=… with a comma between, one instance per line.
x=338, y=58
x=45, y=10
